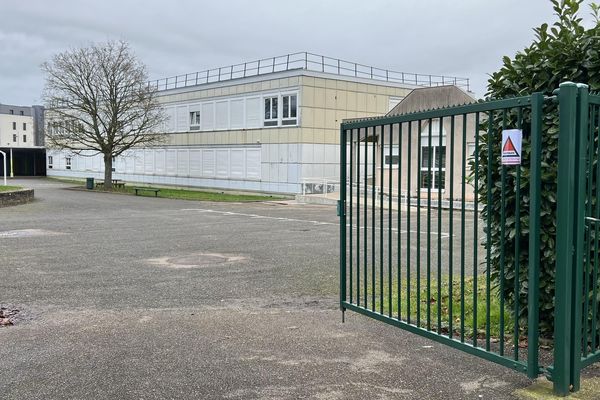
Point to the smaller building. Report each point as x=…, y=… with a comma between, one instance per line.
x=22, y=139
x=423, y=148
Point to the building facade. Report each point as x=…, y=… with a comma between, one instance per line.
x=22, y=138
x=271, y=129
x=423, y=149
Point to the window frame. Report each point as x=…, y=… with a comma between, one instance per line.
x=198, y=119
x=386, y=154
x=24, y=138
x=67, y=162
x=50, y=162
x=272, y=122
x=289, y=118
x=434, y=148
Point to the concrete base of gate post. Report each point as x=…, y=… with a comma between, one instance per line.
x=542, y=389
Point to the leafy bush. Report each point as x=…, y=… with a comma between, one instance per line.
x=565, y=51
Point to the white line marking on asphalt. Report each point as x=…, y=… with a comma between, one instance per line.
x=444, y=235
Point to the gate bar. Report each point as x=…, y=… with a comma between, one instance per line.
x=535, y=188
x=342, y=211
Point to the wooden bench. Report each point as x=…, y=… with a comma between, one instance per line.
x=142, y=189
x=99, y=185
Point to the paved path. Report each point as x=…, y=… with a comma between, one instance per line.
x=129, y=297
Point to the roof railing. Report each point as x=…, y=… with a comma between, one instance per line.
x=306, y=61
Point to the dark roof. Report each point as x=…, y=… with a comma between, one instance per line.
x=429, y=98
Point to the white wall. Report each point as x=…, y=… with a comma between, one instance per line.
x=229, y=167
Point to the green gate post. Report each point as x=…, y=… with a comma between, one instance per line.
x=342, y=214
x=565, y=221
x=579, y=231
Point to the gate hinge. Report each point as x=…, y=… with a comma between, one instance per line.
x=341, y=208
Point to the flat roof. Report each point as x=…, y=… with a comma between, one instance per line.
x=306, y=61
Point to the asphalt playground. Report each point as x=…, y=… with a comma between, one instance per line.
x=124, y=297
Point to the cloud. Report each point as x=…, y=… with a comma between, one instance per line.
x=464, y=38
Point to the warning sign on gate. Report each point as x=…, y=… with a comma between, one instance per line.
x=511, y=146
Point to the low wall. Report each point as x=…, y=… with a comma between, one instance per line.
x=16, y=197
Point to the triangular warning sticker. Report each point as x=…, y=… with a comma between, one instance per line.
x=509, y=149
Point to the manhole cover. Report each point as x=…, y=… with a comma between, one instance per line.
x=21, y=233
x=198, y=260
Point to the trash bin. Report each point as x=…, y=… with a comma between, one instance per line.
x=89, y=183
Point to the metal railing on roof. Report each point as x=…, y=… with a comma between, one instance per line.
x=306, y=61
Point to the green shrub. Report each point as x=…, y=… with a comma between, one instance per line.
x=565, y=51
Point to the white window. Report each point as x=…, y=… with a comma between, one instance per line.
x=433, y=159
x=194, y=120
x=68, y=162
x=50, y=162
x=394, y=159
x=289, y=109
x=271, y=108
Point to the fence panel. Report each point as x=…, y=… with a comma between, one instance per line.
x=416, y=226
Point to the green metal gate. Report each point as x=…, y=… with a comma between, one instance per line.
x=416, y=249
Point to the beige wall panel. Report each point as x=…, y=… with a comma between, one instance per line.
x=331, y=83
x=371, y=103
x=293, y=135
x=361, y=102
x=308, y=116
x=319, y=99
x=352, y=103
x=341, y=85
x=308, y=96
x=319, y=117
x=284, y=82
x=319, y=135
x=330, y=136
x=294, y=80
x=342, y=98
x=330, y=98
x=307, y=135
x=330, y=121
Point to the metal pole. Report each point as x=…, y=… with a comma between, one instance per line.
x=342, y=215
x=12, y=175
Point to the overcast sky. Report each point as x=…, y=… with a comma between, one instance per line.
x=459, y=38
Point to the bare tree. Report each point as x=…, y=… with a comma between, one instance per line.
x=98, y=99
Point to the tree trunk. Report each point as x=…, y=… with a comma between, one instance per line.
x=108, y=171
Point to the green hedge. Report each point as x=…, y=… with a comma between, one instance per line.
x=564, y=51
